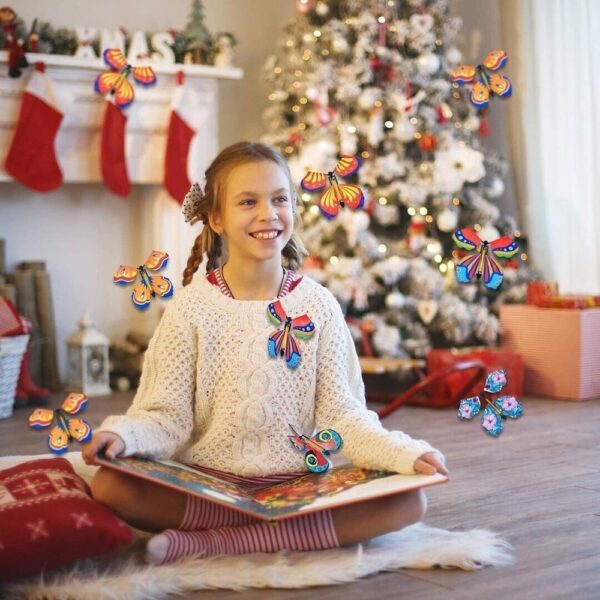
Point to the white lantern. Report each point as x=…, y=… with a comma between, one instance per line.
x=87, y=355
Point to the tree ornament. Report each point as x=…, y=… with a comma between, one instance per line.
x=303, y=7
x=453, y=55
x=443, y=113
x=428, y=142
x=494, y=187
x=484, y=127
x=416, y=233
x=447, y=220
x=322, y=9
x=428, y=63
x=427, y=309
x=395, y=299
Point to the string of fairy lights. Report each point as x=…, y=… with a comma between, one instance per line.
x=313, y=44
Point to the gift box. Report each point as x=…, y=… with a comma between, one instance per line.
x=560, y=349
x=493, y=358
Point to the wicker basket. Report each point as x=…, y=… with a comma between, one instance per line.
x=11, y=355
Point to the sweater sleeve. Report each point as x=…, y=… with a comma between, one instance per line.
x=341, y=405
x=160, y=418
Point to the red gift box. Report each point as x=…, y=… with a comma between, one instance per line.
x=560, y=349
x=511, y=362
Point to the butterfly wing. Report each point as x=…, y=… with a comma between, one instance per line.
x=469, y=408
x=274, y=343
x=157, y=260
x=141, y=296
x=144, y=75
x=351, y=195
x=161, y=286
x=58, y=440
x=328, y=439
x=316, y=462
x=314, y=181
x=500, y=85
x=303, y=328
x=124, y=275
x=292, y=352
x=40, y=418
x=114, y=58
x=491, y=421
x=80, y=430
x=105, y=82
x=74, y=403
x=480, y=95
x=495, y=381
x=329, y=204
x=276, y=314
x=504, y=247
x=466, y=270
x=495, y=60
x=509, y=406
x=491, y=273
x=463, y=74
x=347, y=165
x=123, y=94
x=467, y=239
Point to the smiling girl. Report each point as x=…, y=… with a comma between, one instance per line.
x=213, y=395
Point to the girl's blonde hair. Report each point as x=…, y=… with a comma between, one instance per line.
x=209, y=242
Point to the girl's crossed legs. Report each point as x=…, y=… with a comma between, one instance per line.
x=221, y=530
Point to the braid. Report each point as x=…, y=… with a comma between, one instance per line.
x=194, y=259
x=214, y=252
x=294, y=252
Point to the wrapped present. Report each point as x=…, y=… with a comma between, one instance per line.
x=545, y=294
x=560, y=349
x=493, y=358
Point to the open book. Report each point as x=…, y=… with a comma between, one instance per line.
x=308, y=493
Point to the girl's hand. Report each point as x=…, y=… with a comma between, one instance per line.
x=431, y=463
x=110, y=443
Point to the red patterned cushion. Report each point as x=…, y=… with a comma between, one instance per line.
x=48, y=519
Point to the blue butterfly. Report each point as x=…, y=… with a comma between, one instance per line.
x=497, y=410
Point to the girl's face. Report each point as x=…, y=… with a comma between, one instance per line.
x=256, y=214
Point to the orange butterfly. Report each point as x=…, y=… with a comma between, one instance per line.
x=338, y=194
x=116, y=81
x=488, y=83
x=68, y=427
x=149, y=286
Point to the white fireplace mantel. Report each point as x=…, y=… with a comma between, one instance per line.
x=78, y=139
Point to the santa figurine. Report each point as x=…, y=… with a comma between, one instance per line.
x=13, y=31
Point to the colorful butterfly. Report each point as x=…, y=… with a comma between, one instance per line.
x=282, y=342
x=116, y=81
x=482, y=265
x=345, y=194
x=497, y=410
x=317, y=448
x=148, y=287
x=67, y=428
x=488, y=83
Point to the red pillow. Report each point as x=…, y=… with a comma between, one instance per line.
x=48, y=519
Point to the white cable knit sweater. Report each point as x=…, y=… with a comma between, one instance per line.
x=210, y=395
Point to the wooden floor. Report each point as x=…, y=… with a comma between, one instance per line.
x=538, y=486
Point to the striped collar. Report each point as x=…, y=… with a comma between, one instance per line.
x=289, y=281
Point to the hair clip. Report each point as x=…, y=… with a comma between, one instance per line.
x=191, y=204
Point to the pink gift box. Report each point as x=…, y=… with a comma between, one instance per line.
x=560, y=348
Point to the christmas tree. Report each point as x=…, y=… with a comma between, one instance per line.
x=197, y=36
x=371, y=78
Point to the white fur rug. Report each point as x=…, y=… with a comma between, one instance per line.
x=124, y=575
